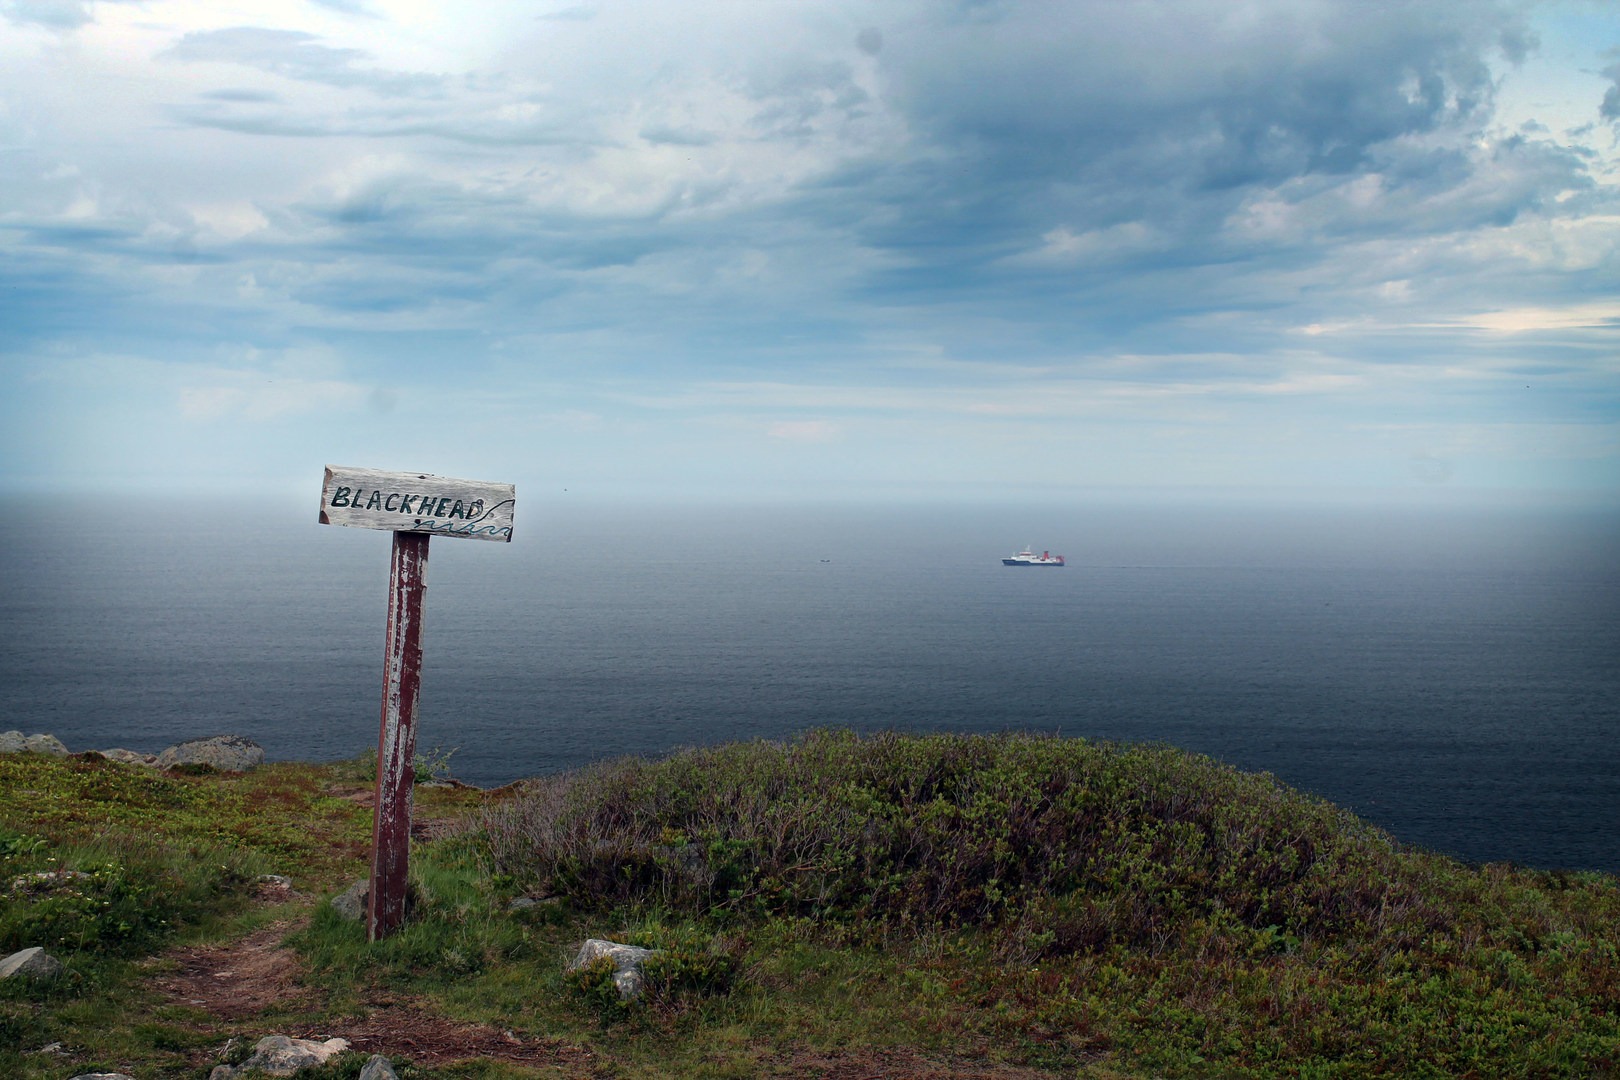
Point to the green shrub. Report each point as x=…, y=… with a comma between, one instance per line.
x=685, y=962
x=17, y=845
x=1120, y=844
x=593, y=984
x=85, y=900
x=1176, y=915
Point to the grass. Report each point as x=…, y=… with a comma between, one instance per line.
x=121, y=861
x=894, y=903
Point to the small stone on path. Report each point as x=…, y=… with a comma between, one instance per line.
x=280, y=1055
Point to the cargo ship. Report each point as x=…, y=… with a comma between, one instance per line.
x=1027, y=557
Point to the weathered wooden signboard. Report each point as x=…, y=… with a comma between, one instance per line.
x=415, y=507
x=417, y=502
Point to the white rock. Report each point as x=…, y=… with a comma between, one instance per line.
x=15, y=742
x=45, y=744
x=34, y=963
x=128, y=757
x=227, y=753
x=627, y=961
x=280, y=1055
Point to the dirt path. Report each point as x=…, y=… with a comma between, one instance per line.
x=406, y=1030
x=239, y=980
x=257, y=975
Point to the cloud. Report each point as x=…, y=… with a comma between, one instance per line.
x=1603, y=315
x=53, y=14
x=227, y=395
x=1609, y=107
x=347, y=7
x=296, y=55
x=803, y=222
x=243, y=97
x=576, y=13
x=1101, y=116
x=803, y=431
x=56, y=14
x=1063, y=246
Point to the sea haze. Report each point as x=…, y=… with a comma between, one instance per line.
x=1451, y=675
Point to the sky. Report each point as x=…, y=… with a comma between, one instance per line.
x=778, y=250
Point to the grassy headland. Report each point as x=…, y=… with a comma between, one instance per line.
x=906, y=905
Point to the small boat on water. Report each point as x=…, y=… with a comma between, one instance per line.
x=1027, y=557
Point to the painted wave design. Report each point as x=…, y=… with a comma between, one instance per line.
x=468, y=528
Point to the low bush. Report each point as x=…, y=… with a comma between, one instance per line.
x=1085, y=843
x=1136, y=907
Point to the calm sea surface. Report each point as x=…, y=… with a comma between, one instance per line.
x=1452, y=676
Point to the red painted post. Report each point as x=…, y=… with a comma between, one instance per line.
x=396, y=741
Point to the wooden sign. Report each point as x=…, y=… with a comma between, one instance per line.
x=417, y=502
x=416, y=507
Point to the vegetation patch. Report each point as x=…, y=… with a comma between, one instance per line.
x=898, y=905
x=1063, y=843
x=1087, y=902
x=104, y=863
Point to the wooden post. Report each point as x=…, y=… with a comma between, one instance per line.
x=413, y=506
x=396, y=738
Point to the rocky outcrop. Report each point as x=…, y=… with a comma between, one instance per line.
x=627, y=961
x=227, y=753
x=45, y=744
x=128, y=757
x=34, y=963
x=104, y=1076
x=15, y=742
x=281, y=1055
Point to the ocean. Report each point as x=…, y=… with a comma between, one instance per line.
x=1451, y=674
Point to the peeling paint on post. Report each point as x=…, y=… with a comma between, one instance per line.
x=415, y=506
x=396, y=739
